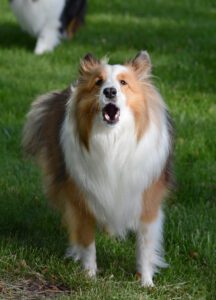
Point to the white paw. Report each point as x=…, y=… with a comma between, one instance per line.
x=73, y=252
x=147, y=279
x=86, y=255
x=147, y=282
x=91, y=272
x=89, y=261
x=42, y=48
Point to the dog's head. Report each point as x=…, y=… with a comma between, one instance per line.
x=108, y=94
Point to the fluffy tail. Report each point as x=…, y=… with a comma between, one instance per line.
x=44, y=118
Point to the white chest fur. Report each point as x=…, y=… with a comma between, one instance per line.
x=116, y=170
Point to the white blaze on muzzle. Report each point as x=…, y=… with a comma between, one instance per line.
x=112, y=100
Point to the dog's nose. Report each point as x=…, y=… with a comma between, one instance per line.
x=110, y=93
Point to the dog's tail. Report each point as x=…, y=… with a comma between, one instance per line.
x=46, y=111
x=33, y=130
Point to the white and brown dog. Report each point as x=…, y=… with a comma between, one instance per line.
x=104, y=146
x=49, y=20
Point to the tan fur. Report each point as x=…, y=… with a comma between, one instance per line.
x=143, y=100
x=69, y=199
x=152, y=199
x=79, y=221
x=72, y=27
x=88, y=65
x=85, y=110
x=86, y=104
x=141, y=65
x=42, y=139
x=76, y=217
x=135, y=95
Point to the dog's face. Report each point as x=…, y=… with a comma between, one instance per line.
x=107, y=92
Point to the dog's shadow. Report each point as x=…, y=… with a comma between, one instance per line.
x=26, y=218
x=12, y=36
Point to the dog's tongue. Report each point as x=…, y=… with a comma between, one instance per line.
x=111, y=113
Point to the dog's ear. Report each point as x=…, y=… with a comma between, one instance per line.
x=88, y=63
x=141, y=64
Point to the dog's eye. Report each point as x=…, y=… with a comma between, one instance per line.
x=99, y=82
x=123, y=82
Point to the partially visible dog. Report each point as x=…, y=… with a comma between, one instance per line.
x=49, y=20
x=105, y=148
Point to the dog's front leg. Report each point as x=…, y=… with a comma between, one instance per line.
x=149, y=249
x=81, y=229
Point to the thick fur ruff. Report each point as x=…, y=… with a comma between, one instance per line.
x=104, y=146
x=49, y=20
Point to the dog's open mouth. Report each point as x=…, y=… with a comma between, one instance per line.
x=111, y=113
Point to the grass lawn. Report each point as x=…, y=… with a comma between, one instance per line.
x=181, y=39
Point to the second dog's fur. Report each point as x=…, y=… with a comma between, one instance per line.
x=49, y=20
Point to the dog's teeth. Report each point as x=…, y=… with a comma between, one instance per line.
x=107, y=116
x=117, y=115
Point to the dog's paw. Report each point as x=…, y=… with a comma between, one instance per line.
x=73, y=252
x=86, y=256
x=91, y=272
x=41, y=49
x=147, y=282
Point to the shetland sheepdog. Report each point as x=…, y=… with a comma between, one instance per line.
x=49, y=20
x=104, y=145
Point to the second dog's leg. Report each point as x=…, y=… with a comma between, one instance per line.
x=48, y=39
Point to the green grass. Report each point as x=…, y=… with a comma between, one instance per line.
x=181, y=39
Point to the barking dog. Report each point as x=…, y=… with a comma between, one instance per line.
x=49, y=20
x=104, y=146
